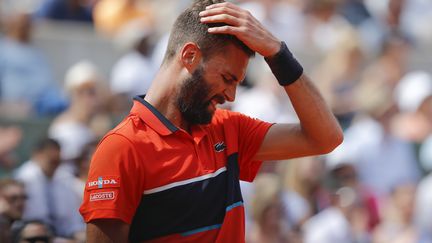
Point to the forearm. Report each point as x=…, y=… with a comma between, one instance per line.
x=318, y=126
x=316, y=120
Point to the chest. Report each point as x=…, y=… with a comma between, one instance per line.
x=178, y=158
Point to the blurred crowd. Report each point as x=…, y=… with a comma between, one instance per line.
x=368, y=58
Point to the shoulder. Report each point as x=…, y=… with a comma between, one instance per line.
x=220, y=114
x=226, y=116
x=27, y=171
x=127, y=128
x=114, y=142
x=126, y=135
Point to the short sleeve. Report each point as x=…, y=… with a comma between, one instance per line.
x=251, y=133
x=115, y=181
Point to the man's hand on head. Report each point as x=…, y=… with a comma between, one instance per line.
x=242, y=24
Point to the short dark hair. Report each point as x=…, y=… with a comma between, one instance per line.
x=19, y=226
x=5, y=182
x=45, y=143
x=188, y=28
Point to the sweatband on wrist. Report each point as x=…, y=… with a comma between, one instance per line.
x=284, y=66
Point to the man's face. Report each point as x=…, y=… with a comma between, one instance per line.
x=87, y=96
x=52, y=155
x=212, y=83
x=35, y=232
x=14, y=197
x=193, y=100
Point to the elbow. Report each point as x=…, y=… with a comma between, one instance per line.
x=337, y=140
x=331, y=142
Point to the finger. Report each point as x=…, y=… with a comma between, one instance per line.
x=222, y=18
x=230, y=30
x=219, y=10
x=224, y=4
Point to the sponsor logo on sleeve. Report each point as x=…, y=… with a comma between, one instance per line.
x=102, y=196
x=103, y=182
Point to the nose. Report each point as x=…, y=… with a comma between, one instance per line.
x=230, y=92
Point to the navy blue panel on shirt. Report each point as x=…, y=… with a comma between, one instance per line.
x=187, y=207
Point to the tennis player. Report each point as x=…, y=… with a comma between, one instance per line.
x=170, y=171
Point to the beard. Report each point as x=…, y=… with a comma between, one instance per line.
x=193, y=99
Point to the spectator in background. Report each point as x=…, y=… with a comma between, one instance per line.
x=71, y=10
x=385, y=21
x=83, y=164
x=355, y=11
x=10, y=138
x=110, y=16
x=382, y=159
x=12, y=202
x=72, y=128
x=316, y=23
x=394, y=14
x=270, y=224
x=388, y=159
x=133, y=73
x=413, y=95
x=33, y=231
x=281, y=17
x=390, y=65
x=323, y=24
x=397, y=221
x=344, y=221
x=341, y=172
x=26, y=6
x=423, y=207
x=415, y=20
x=303, y=194
x=27, y=87
x=339, y=75
x=50, y=198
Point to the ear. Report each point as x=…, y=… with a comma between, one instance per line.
x=190, y=56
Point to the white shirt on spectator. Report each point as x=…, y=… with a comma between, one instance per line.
x=296, y=207
x=132, y=74
x=423, y=213
x=328, y=226
x=383, y=161
x=72, y=136
x=63, y=204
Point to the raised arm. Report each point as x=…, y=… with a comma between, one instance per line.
x=318, y=131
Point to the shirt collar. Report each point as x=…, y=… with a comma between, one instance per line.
x=152, y=117
x=158, y=122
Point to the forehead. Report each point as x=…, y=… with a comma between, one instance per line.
x=12, y=188
x=34, y=229
x=230, y=59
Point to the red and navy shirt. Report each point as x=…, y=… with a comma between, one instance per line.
x=170, y=185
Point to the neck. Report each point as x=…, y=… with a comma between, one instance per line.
x=162, y=94
x=42, y=164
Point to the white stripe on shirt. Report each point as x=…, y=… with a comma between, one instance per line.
x=181, y=183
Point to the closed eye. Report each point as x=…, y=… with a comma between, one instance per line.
x=228, y=80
